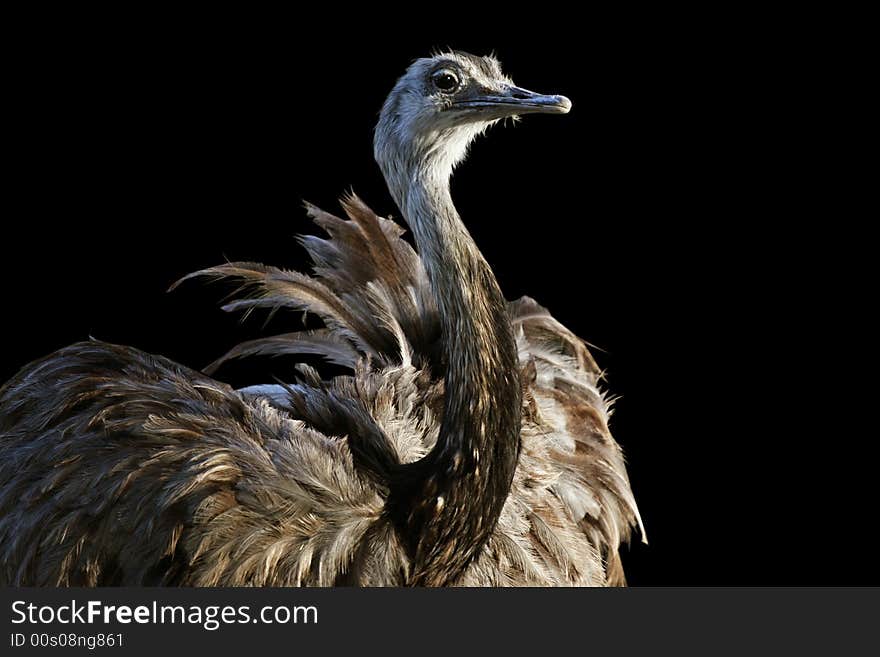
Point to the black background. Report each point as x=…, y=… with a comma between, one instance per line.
x=675, y=219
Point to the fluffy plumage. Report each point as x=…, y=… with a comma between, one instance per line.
x=123, y=468
x=468, y=445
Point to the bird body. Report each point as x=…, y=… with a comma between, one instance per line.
x=469, y=445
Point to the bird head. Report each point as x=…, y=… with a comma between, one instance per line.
x=441, y=103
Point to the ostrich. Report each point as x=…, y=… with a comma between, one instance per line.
x=468, y=445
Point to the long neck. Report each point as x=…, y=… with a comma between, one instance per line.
x=447, y=504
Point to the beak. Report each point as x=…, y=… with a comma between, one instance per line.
x=514, y=100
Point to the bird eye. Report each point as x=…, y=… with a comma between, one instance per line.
x=445, y=80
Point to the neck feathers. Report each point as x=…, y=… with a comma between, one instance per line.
x=447, y=504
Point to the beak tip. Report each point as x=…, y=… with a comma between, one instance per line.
x=564, y=104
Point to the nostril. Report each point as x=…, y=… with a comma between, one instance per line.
x=519, y=94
